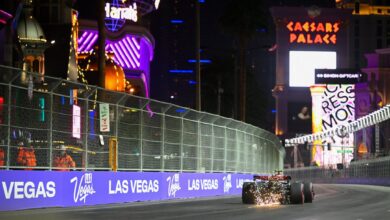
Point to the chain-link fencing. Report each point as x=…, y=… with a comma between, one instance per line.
x=42, y=116
x=367, y=171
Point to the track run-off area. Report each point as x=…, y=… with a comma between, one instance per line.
x=344, y=202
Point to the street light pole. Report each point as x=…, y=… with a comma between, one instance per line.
x=198, y=77
x=101, y=44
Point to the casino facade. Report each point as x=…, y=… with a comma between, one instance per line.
x=318, y=38
x=129, y=46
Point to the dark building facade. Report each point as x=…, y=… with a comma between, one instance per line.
x=173, y=77
x=173, y=70
x=369, y=28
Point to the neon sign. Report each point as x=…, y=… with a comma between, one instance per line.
x=313, y=32
x=129, y=13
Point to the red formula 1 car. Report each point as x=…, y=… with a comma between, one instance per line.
x=276, y=189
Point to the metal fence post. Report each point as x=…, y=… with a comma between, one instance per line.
x=181, y=144
x=9, y=126
x=246, y=155
x=225, y=151
x=198, y=147
x=116, y=134
x=51, y=132
x=237, y=149
x=86, y=117
x=86, y=124
x=141, y=122
x=212, y=147
x=117, y=128
x=163, y=142
x=51, y=125
x=9, y=121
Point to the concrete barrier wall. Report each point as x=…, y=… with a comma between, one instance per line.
x=38, y=189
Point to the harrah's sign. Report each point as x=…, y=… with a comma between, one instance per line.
x=129, y=13
x=313, y=32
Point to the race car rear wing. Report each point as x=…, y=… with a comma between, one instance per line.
x=273, y=177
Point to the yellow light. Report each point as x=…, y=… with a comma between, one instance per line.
x=316, y=93
x=279, y=132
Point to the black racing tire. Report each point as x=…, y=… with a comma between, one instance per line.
x=297, y=195
x=308, y=190
x=248, y=196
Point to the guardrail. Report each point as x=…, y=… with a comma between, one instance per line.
x=144, y=134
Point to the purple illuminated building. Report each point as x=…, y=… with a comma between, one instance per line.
x=127, y=35
x=130, y=42
x=132, y=47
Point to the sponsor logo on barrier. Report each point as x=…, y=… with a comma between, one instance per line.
x=227, y=183
x=136, y=186
x=29, y=190
x=202, y=184
x=240, y=182
x=82, y=188
x=173, y=184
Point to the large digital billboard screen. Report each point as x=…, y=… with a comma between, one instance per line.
x=303, y=64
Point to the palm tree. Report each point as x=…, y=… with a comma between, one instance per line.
x=242, y=18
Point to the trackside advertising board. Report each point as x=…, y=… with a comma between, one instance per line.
x=38, y=189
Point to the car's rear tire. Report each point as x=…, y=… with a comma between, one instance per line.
x=309, y=192
x=297, y=195
x=248, y=196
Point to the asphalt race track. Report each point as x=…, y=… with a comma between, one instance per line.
x=344, y=202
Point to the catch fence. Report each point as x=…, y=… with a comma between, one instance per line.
x=96, y=125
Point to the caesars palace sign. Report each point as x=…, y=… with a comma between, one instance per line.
x=313, y=32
